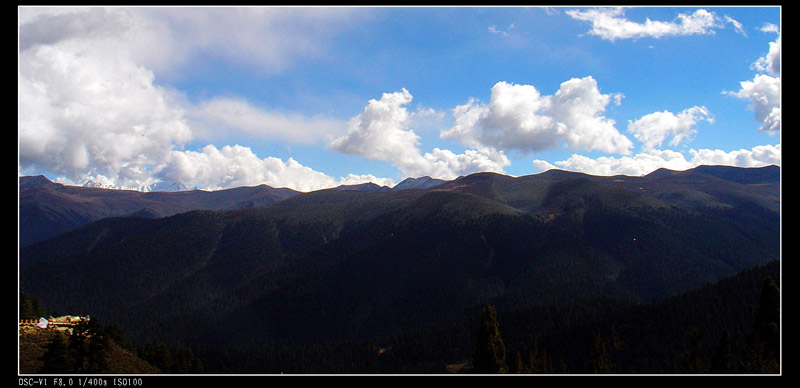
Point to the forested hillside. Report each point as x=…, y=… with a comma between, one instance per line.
x=372, y=275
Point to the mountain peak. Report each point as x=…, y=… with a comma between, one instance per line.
x=169, y=186
x=369, y=186
x=424, y=182
x=752, y=175
x=26, y=182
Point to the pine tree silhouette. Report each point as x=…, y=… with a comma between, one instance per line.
x=490, y=353
x=762, y=346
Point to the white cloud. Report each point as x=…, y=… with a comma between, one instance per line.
x=381, y=132
x=232, y=166
x=764, y=91
x=125, y=32
x=504, y=33
x=771, y=63
x=83, y=114
x=223, y=114
x=610, y=24
x=265, y=39
x=519, y=118
x=90, y=109
x=737, y=26
x=647, y=162
x=769, y=27
x=635, y=165
x=654, y=128
x=765, y=94
x=756, y=157
x=445, y=164
x=354, y=179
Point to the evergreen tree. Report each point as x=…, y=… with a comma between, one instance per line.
x=57, y=358
x=599, y=362
x=29, y=308
x=762, y=346
x=721, y=360
x=116, y=334
x=186, y=362
x=691, y=361
x=157, y=355
x=521, y=368
x=490, y=353
x=539, y=363
x=89, y=345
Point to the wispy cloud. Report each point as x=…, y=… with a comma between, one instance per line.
x=769, y=27
x=611, y=24
x=495, y=30
x=226, y=114
x=736, y=25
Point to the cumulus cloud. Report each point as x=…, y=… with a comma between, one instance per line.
x=232, y=166
x=445, y=164
x=647, y=162
x=381, y=132
x=611, y=24
x=654, y=128
x=771, y=63
x=634, y=165
x=764, y=91
x=83, y=114
x=520, y=118
x=90, y=107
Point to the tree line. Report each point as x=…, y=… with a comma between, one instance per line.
x=731, y=326
x=759, y=350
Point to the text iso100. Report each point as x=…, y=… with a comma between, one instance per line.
x=127, y=382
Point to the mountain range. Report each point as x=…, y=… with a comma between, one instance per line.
x=48, y=209
x=259, y=266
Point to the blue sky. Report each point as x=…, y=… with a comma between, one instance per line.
x=308, y=98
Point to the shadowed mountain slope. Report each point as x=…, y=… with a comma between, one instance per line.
x=350, y=265
x=47, y=209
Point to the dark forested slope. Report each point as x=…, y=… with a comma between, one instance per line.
x=343, y=265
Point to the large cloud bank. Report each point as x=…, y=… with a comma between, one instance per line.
x=90, y=107
x=93, y=105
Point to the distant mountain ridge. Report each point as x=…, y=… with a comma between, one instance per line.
x=47, y=208
x=158, y=186
x=750, y=175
